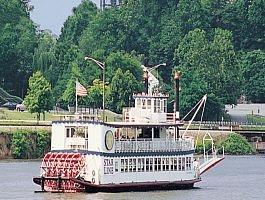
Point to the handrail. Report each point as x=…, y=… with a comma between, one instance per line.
x=153, y=145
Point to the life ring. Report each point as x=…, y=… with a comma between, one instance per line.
x=93, y=180
x=93, y=173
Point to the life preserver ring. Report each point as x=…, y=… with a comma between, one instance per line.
x=93, y=173
x=93, y=180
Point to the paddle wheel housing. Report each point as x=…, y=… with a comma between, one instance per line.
x=58, y=169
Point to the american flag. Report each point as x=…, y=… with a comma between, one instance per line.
x=80, y=90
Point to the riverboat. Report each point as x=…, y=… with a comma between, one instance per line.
x=145, y=151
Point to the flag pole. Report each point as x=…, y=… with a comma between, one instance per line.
x=76, y=96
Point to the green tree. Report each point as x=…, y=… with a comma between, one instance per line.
x=256, y=17
x=124, y=62
x=123, y=85
x=95, y=93
x=44, y=58
x=39, y=96
x=74, y=26
x=209, y=67
x=69, y=94
x=253, y=64
x=17, y=42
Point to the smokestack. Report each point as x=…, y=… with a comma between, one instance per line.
x=176, y=78
x=146, y=81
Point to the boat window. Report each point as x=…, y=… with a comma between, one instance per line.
x=183, y=164
x=122, y=165
x=159, y=164
x=147, y=164
x=143, y=104
x=171, y=163
x=134, y=165
x=138, y=103
x=167, y=164
x=126, y=165
x=188, y=163
x=140, y=164
x=165, y=106
x=151, y=164
x=155, y=164
x=179, y=164
x=148, y=103
x=116, y=165
x=163, y=164
x=158, y=106
x=70, y=132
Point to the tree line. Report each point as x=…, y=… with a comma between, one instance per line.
x=218, y=46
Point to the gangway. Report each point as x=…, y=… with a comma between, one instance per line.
x=211, y=156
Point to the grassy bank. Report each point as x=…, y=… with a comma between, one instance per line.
x=256, y=119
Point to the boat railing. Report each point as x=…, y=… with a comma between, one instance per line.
x=153, y=145
x=75, y=143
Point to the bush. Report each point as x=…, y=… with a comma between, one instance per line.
x=42, y=142
x=20, y=144
x=236, y=144
x=199, y=146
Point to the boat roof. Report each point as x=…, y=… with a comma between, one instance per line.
x=141, y=125
x=123, y=124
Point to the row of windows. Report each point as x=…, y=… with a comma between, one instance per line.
x=160, y=105
x=153, y=164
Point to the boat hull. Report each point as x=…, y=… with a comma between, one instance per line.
x=143, y=186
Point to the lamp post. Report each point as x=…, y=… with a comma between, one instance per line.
x=102, y=66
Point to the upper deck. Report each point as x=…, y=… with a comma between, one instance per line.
x=149, y=108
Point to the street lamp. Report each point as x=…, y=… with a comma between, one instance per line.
x=102, y=66
x=153, y=68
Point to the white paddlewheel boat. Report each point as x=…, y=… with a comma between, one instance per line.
x=143, y=152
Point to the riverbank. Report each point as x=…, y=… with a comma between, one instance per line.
x=24, y=144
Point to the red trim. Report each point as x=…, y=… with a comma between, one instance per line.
x=212, y=165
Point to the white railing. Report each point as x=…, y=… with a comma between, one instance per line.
x=75, y=143
x=153, y=146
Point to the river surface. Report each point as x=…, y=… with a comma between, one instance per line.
x=235, y=178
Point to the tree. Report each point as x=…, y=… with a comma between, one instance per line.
x=95, y=93
x=44, y=58
x=209, y=67
x=122, y=87
x=256, y=17
x=74, y=26
x=39, y=96
x=124, y=62
x=17, y=42
x=253, y=64
x=68, y=95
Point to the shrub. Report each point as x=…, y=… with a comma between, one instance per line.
x=199, y=146
x=20, y=144
x=236, y=144
x=42, y=142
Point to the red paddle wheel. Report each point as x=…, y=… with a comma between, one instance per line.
x=59, y=168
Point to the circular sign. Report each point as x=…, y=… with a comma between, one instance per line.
x=109, y=140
